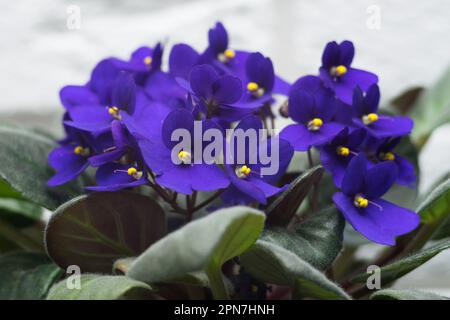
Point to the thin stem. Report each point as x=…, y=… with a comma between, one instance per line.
x=216, y=283
x=209, y=200
x=315, y=195
x=12, y=234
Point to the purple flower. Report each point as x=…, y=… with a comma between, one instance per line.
x=72, y=157
x=312, y=106
x=247, y=183
x=97, y=118
x=218, y=51
x=123, y=147
x=380, y=126
x=117, y=176
x=383, y=150
x=218, y=96
x=182, y=59
x=377, y=219
x=143, y=60
x=337, y=73
x=336, y=155
x=186, y=176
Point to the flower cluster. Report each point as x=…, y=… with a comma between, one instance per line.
x=122, y=121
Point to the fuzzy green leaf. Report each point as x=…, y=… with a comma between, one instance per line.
x=100, y=287
x=273, y=264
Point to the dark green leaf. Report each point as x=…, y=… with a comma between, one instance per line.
x=99, y=287
x=284, y=207
x=202, y=244
x=18, y=212
x=432, y=109
x=405, y=101
x=318, y=240
x=273, y=264
x=23, y=155
x=26, y=275
x=398, y=294
x=94, y=231
x=405, y=265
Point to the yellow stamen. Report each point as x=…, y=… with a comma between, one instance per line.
x=252, y=86
x=369, y=118
x=134, y=173
x=360, y=202
x=226, y=56
x=343, y=151
x=242, y=172
x=184, y=156
x=147, y=60
x=388, y=156
x=315, y=124
x=81, y=151
x=339, y=71
x=229, y=53
x=114, y=112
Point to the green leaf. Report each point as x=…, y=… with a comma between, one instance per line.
x=284, y=207
x=202, y=245
x=100, y=287
x=18, y=212
x=94, y=231
x=7, y=192
x=318, y=240
x=23, y=155
x=406, y=100
x=393, y=294
x=26, y=275
x=273, y=264
x=436, y=206
x=432, y=109
x=399, y=268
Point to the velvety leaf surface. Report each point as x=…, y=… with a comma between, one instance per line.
x=405, y=265
x=94, y=231
x=432, y=109
x=26, y=275
x=23, y=155
x=100, y=287
x=281, y=211
x=318, y=240
x=18, y=212
x=392, y=294
x=273, y=264
x=202, y=244
x=436, y=206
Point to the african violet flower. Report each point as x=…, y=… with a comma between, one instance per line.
x=380, y=126
x=247, y=182
x=185, y=176
x=218, y=96
x=142, y=60
x=218, y=50
x=336, y=155
x=96, y=117
x=383, y=150
x=71, y=158
x=337, y=73
x=361, y=204
x=312, y=106
x=116, y=176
